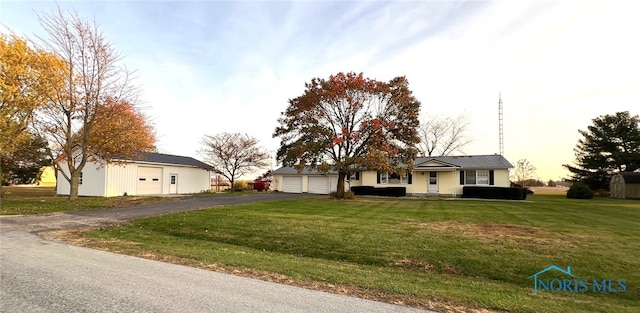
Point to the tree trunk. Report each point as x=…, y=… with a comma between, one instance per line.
x=340, y=187
x=74, y=184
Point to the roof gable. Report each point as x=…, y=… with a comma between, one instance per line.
x=433, y=162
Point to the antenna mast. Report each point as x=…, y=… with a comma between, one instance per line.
x=500, y=128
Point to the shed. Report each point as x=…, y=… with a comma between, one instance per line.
x=148, y=174
x=625, y=185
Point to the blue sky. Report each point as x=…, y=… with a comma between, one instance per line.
x=206, y=67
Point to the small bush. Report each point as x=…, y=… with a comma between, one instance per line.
x=505, y=193
x=259, y=186
x=347, y=195
x=579, y=190
x=383, y=191
x=363, y=190
x=239, y=185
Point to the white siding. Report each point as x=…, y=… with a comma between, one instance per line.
x=93, y=180
x=190, y=179
x=121, y=179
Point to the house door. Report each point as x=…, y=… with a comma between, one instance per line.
x=433, y=182
x=173, y=183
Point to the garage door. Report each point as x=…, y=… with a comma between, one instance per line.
x=319, y=185
x=149, y=180
x=292, y=184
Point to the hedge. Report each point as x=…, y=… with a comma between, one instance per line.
x=505, y=193
x=384, y=191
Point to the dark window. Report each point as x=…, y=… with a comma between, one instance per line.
x=80, y=180
x=394, y=178
x=469, y=177
x=142, y=179
x=155, y=179
x=173, y=180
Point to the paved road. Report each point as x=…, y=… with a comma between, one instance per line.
x=37, y=275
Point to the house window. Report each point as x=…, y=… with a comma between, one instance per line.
x=395, y=178
x=354, y=176
x=142, y=179
x=469, y=177
x=476, y=177
x=482, y=177
x=80, y=179
x=384, y=178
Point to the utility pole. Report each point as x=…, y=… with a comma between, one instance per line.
x=500, y=128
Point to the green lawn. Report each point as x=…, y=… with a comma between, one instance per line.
x=441, y=254
x=17, y=200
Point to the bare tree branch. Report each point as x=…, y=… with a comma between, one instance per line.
x=443, y=135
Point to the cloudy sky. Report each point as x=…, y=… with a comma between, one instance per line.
x=207, y=67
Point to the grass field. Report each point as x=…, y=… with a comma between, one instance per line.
x=16, y=200
x=446, y=255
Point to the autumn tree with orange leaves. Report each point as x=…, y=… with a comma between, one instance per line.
x=120, y=130
x=349, y=122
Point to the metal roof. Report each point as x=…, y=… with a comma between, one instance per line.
x=466, y=162
x=469, y=161
x=150, y=157
x=631, y=177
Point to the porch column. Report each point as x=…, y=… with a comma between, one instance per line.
x=455, y=182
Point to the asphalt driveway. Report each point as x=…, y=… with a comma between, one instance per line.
x=109, y=216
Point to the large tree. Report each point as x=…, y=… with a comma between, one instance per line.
x=443, y=135
x=610, y=145
x=25, y=79
x=349, y=122
x=24, y=164
x=93, y=80
x=233, y=155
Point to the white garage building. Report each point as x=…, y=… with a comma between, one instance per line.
x=288, y=179
x=149, y=174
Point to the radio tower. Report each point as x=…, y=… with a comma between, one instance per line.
x=500, y=129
